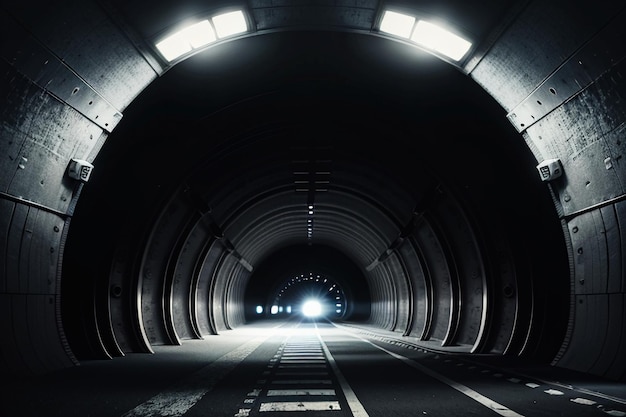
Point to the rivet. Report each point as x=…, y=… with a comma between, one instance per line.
x=575, y=229
x=56, y=228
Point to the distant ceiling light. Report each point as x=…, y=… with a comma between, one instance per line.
x=440, y=40
x=185, y=40
x=230, y=23
x=397, y=24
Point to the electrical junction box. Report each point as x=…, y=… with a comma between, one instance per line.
x=550, y=169
x=80, y=170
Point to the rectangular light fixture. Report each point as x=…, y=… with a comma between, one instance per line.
x=425, y=34
x=231, y=23
x=397, y=24
x=187, y=39
x=440, y=40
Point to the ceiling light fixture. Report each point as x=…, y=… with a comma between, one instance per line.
x=440, y=40
x=201, y=34
x=425, y=34
x=397, y=24
x=186, y=40
x=230, y=23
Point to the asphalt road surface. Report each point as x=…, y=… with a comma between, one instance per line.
x=309, y=369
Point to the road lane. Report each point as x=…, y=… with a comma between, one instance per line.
x=498, y=391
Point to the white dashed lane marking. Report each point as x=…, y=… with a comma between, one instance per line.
x=300, y=406
x=300, y=377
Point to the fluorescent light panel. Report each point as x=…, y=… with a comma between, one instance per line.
x=201, y=34
x=425, y=34
x=397, y=24
x=231, y=23
x=187, y=39
x=438, y=39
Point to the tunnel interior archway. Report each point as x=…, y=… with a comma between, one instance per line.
x=420, y=169
x=229, y=184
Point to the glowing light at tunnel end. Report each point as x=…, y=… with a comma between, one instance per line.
x=311, y=308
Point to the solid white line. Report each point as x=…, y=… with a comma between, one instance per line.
x=177, y=400
x=353, y=402
x=487, y=402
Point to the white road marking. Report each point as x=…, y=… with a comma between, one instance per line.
x=301, y=381
x=292, y=392
x=355, y=405
x=487, y=402
x=532, y=385
x=177, y=400
x=583, y=401
x=553, y=392
x=301, y=406
x=301, y=373
x=300, y=365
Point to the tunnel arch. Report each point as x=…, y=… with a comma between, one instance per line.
x=546, y=90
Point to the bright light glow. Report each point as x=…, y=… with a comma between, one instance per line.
x=288, y=309
x=440, y=40
x=274, y=310
x=230, y=23
x=397, y=24
x=311, y=308
x=185, y=40
x=259, y=309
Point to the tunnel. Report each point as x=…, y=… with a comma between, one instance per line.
x=466, y=203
